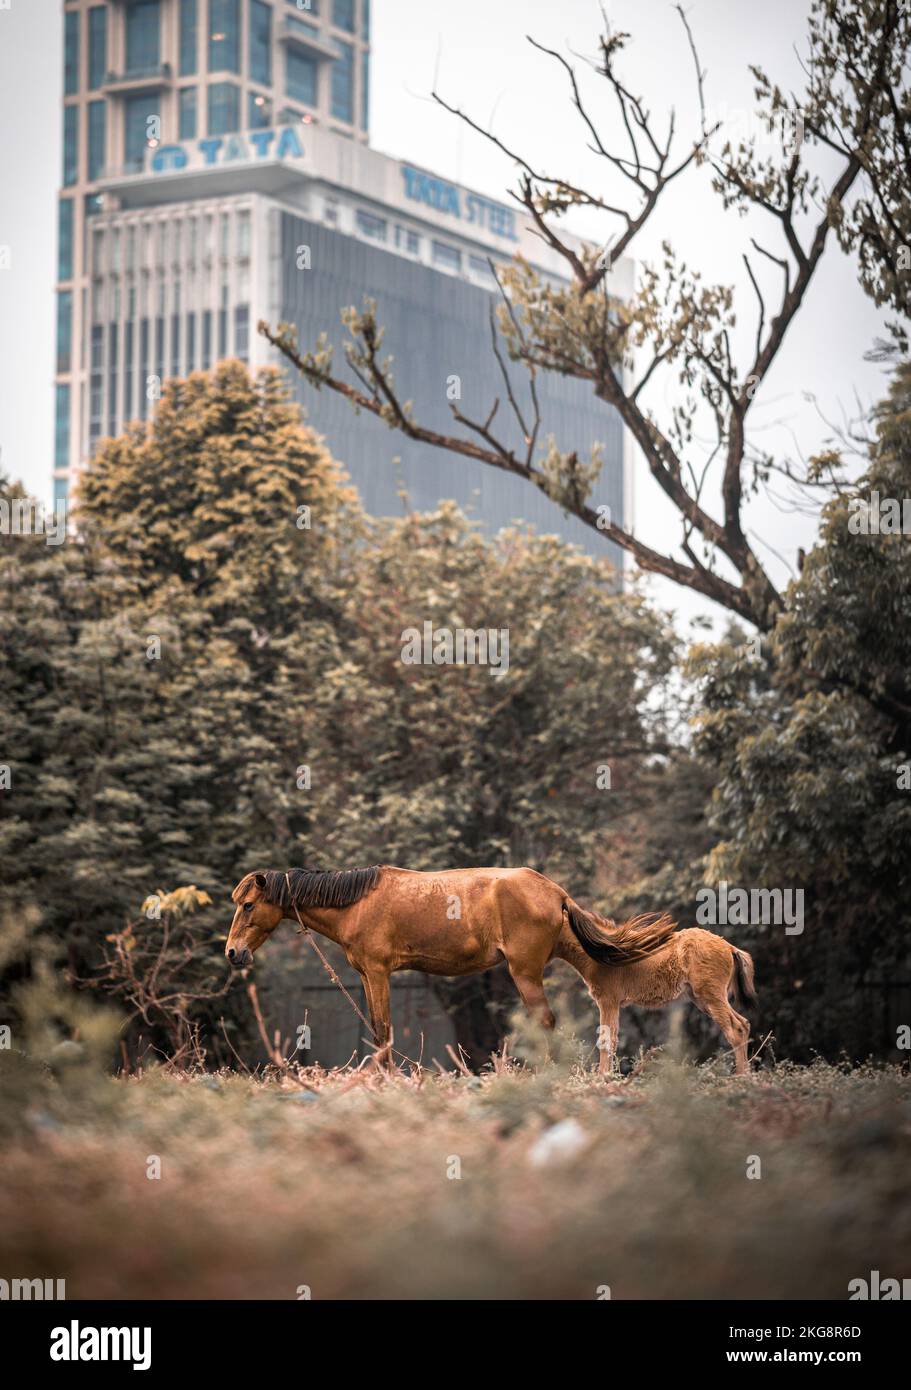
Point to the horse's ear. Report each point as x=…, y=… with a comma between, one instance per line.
x=260, y=880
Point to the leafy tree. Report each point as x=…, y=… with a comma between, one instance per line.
x=155, y=684
x=811, y=740
x=853, y=108
x=197, y=684
x=440, y=766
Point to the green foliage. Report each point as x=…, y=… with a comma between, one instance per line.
x=168, y=677
x=810, y=743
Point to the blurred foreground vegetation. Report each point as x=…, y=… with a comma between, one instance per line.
x=520, y=1183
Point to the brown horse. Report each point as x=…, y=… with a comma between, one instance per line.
x=461, y=921
x=693, y=964
x=455, y=922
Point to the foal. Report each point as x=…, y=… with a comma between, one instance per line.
x=693, y=964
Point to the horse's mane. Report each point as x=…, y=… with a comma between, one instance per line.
x=319, y=887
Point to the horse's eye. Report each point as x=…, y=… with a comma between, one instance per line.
x=248, y=907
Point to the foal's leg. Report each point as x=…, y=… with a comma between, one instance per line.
x=608, y=1031
x=734, y=1026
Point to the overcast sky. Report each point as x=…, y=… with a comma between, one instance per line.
x=476, y=53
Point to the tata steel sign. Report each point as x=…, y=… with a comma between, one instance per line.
x=227, y=149
x=457, y=202
x=285, y=143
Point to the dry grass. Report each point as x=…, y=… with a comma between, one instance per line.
x=340, y=1182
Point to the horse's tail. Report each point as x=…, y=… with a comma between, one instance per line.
x=609, y=944
x=742, y=978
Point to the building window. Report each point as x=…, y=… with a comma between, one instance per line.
x=62, y=427
x=64, y=330
x=143, y=25
x=143, y=367
x=98, y=46
x=92, y=204
x=113, y=348
x=408, y=241
x=343, y=83
x=135, y=115
x=206, y=339
x=159, y=348
x=446, y=256
x=187, y=113
x=480, y=266
x=128, y=370
x=300, y=77
x=224, y=36
x=365, y=90
x=175, y=344
x=365, y=30
x=98, y=253
x=242, y=332
x=65, y=239
x=97, y=129
x=96, y=384
x=260, y=43
x=243, y=235
x=370, y=225
x=224, y=108
x=343, y=15
x=191, y=342
x=70, y=144
x=259, y=111
x=188, y=39
x=71, y=53
x=302, y=28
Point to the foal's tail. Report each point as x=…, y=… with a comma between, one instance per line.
x=742, y=979
x=609, y=944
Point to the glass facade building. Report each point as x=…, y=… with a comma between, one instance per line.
x=216, y=172
x=141, y=74
x=437, y=328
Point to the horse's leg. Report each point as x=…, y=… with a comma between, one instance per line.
x=531, y=991
x=734, y=1026
x=376, y=987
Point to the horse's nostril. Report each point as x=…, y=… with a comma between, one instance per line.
x=230, y=953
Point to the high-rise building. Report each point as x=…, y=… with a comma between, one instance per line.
x=216, y=172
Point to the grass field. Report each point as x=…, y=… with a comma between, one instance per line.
x=522, y=1183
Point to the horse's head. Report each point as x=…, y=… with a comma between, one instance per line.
x=255, y=919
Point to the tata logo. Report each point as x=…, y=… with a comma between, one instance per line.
x=470, y=207
x=230, y=149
